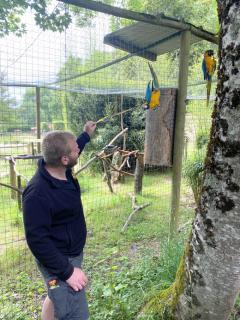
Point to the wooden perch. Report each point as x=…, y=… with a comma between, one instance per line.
x=121, y=171
x=13, y=159
x=106, y=163
x=102, y=151
x=23, y=157
x=11, y=187
x=135, y=208
x=139, y=172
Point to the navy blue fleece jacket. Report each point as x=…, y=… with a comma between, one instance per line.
x=54, y=222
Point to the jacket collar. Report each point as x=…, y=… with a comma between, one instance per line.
x=56, y=183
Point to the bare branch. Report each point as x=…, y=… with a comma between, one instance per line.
x=11, y=187
x=135, y=208
x=102, y=151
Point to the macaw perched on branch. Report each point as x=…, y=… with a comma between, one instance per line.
x=152, y=96
x=208, y=67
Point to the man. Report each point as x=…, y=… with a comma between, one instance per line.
x=55, y=226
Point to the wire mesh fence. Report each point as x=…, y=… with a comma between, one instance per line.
x=76, y=81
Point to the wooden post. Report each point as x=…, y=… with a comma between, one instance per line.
x=159, y=131
x=106, y=168
x=122, y=124
x=122, y=178
x=38, y=118
x=179, y=130
x=19, y=198
x=13, y=178
x=139, y=174
x=32, y=149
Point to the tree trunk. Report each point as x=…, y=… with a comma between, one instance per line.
x=159, y=131
x=208, y=280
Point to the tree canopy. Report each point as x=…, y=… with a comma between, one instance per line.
x=47, y=16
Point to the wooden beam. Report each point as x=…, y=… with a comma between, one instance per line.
x=160, y=19
x=179, y=130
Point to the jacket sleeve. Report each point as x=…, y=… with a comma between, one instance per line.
x=37, y=223
x=82, y=140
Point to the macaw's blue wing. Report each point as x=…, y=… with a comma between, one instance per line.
x=154, y=77
x=204, y=69
x=148, y=92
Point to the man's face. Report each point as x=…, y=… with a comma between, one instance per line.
x=73, y=155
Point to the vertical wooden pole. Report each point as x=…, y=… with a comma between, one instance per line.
x=179, y=130
x=138, y=176
x=122, y=124
x=38, y=118
x=19, y=198
x=122, y=178
x=13, y=178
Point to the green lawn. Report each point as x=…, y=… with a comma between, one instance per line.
x=124, y=268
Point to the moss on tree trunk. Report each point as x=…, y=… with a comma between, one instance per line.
x=163, y=306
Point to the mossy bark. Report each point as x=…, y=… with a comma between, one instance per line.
x=208, y=279
x=163, y=306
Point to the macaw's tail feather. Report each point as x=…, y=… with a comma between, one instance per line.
x=209, y=84
x=154, y=77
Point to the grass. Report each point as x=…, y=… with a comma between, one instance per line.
x=125, y=269
x=121, y=266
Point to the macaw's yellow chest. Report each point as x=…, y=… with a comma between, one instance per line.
x=210, y=64
x=155, y=99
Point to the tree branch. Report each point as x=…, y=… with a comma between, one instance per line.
x=102, y=151
x=11, y=187
x=135, y=208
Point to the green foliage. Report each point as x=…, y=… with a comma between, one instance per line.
x=236, y=310
x=44, y=126
x=121, y=292
x=12, y=11
x=201, y=13
x=202, y=139
x=136, y=125
x=50, y=108
x=193, y=173
x=7, y=114
x=20, y=305
x=193, y=166
x=58, y=125
x=56, y=19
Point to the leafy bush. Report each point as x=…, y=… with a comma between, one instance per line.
x=193, y=173
x=58, y=125
x=202, y=139
x=44, y=126
x=193, y=166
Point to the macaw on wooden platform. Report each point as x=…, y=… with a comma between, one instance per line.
x=208, y=68
x=152, y=96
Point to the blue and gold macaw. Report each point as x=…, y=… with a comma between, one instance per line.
x=152, y=96
x=208, y=68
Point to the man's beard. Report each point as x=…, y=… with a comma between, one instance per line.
x=71, y=163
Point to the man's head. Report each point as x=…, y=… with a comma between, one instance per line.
x=60, y=148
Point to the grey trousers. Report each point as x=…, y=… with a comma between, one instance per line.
x=68, y=304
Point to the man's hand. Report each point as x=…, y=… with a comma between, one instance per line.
x=90, y=127
x=78, y=280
